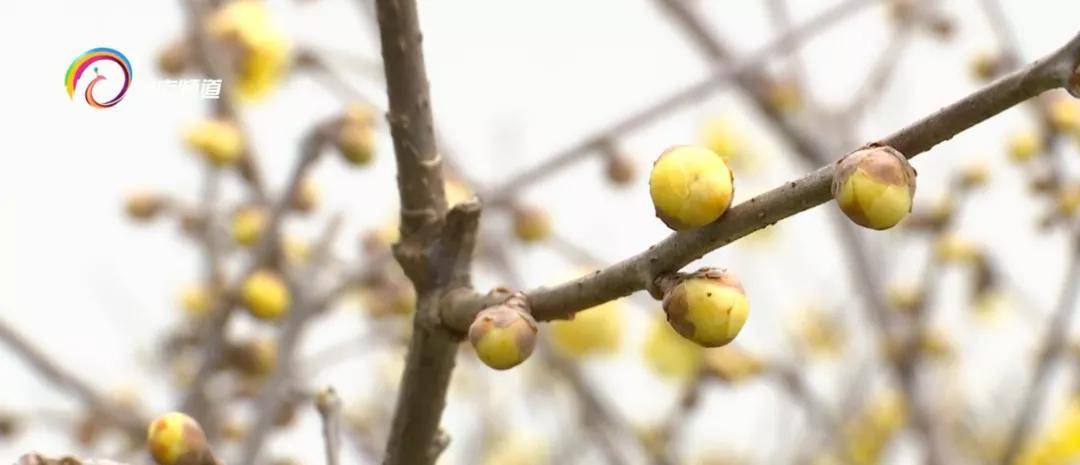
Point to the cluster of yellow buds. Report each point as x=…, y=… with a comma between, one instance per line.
x=873, y=428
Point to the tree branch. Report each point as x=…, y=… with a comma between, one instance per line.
x=681, y=248
x=435, y=249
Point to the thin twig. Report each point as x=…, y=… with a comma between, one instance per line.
x=132, y=423
x=1053, y=343
x=503, y=194
x=328, y=404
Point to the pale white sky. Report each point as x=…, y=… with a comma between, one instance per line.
x=512, y=82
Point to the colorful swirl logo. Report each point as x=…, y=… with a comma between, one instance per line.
x=84, y=61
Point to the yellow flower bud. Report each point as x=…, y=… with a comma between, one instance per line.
x=720, y=135
x=1065, y=114
x=820, y=331
x=174, y=58
x=531, y=224
x=671, y=355
x=504, y=335
x=256, y=357
x=985, y=65
x=1024, y=145
x=950, y=248
x=874, y=187
x=784, y=96
x=517, y=449
x=1068, y=199
x=905, y=298
x=197, y=300
x=247, y=225
x=306, y=197
x=266, y=295
x=143, y=205
x=708, y=307
x=295, y=250
x=177, y=439
x=732, y=364
x=597, y=330
x=261, y=48
x=218, y=141
x=691, y=186
x=619, y=168
x=356, y=142
x=974, y=175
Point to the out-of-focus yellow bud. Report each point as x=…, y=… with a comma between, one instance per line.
x=597, y=330
x=936, y=344
x=218, y=141
x=197, y=300
x=306, y=197
x=1065, y=114
x=1068, y=199
x=732, y=364
x=143, y=205
x=819, y=331
x=266, y=295
x=247, y=225
x=708, y=307
x=295, y=250
x=619, y=168
x=784, y=96
x=691, y=186
x=1024, y=145
x=504, y=335
x=907, y=298
x=531, y=224
x=262, y=47
x=177, y=439
x=356, y=143
x=874, y=187
x=394, y=296
x=174, y=58
x=721, y=136
x=671, y=355
x=518, y=449
x=974, y=175
x=873, y=428
x=950, y=248
x=1060, y=444
x=256, y=357
x=985, y=66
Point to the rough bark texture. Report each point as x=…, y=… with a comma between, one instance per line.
x=435, y=249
